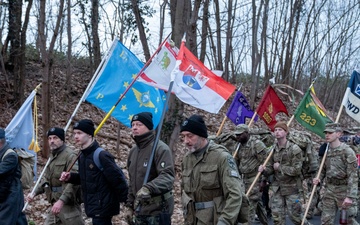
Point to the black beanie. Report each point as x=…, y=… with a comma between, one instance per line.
x=86, y=126
x=145, y=118
x=58, y=132
x=196, y=125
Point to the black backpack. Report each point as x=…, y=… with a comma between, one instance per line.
x=122, y=188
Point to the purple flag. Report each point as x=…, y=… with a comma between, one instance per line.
x=239, y=109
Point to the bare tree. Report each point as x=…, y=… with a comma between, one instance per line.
x=47, y=61
x=94, y=31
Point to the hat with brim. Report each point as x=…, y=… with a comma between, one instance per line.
x=333, y=127
x=241, y=128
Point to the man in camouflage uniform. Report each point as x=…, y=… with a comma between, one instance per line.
x=65, y=208
x=285, y=164
x=211, y=185
x=341, y=177
x=251, y=154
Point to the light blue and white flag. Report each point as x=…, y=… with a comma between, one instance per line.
x=120, y=69
x=19, y=132
x=351, y=99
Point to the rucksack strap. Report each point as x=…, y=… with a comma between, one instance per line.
x=6, y=153
x=96, y=158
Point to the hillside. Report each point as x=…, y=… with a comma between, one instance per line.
x=63, y=107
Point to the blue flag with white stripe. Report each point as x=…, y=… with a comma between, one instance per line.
x=351, y=99
x=118, y=72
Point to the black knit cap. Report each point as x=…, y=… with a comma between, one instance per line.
x=86, y=126
x=57, y=131
x=145, y=118
x=196, y=125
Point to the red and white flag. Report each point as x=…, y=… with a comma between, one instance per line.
x=198, y=86
x=194, y=84
x=157, y=74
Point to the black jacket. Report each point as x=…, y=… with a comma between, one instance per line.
x=99, y=196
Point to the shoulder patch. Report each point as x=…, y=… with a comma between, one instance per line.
x=231, y=162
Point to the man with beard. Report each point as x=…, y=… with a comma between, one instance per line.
x=250, y=155
x=65, y=208
x=211, y=184
x=100, y=186
x=340, y=174
x=285, y=164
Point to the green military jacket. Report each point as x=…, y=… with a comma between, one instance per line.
x=250, y=157
x=211, y=179
x=288, y=178
x=52, y=186
x=341, y=171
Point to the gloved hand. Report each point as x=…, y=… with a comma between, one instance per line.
x=129, y=215
x=143, y=193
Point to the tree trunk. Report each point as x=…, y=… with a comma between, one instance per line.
x=47, y=61
x=67, y=85
x=94, y=32
x=15, y=13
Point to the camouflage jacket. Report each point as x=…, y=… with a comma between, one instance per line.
x=340, y=170
x=288, y=178
x=250, y=157
x=52, y=186
x=211, y=177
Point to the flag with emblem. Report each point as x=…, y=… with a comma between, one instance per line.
x=239, y=109
x=196, y=85
x=157, y=74
x=118, y=71
x=311, y=114
x=269, y=106
x=351, y=100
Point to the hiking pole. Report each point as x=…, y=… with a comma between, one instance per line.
x=37, y=183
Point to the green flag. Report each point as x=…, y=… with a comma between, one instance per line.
x=311, y=114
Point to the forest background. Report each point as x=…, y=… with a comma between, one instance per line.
x=61, y=43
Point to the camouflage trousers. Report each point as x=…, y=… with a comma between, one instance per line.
x=331, y=203
x=255, y=202
x=69, y=215
x=281, y=204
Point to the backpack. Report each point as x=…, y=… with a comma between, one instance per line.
x=121, y=189
x=311, y=158
x=27, y=162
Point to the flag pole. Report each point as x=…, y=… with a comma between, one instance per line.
x=315, y=185
x=223, y=122
x=318, y=175
x=103, y=61
x=122, y=96
x=71, y=118
x=157, y=137
x=221, y=126
x=108, y=114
